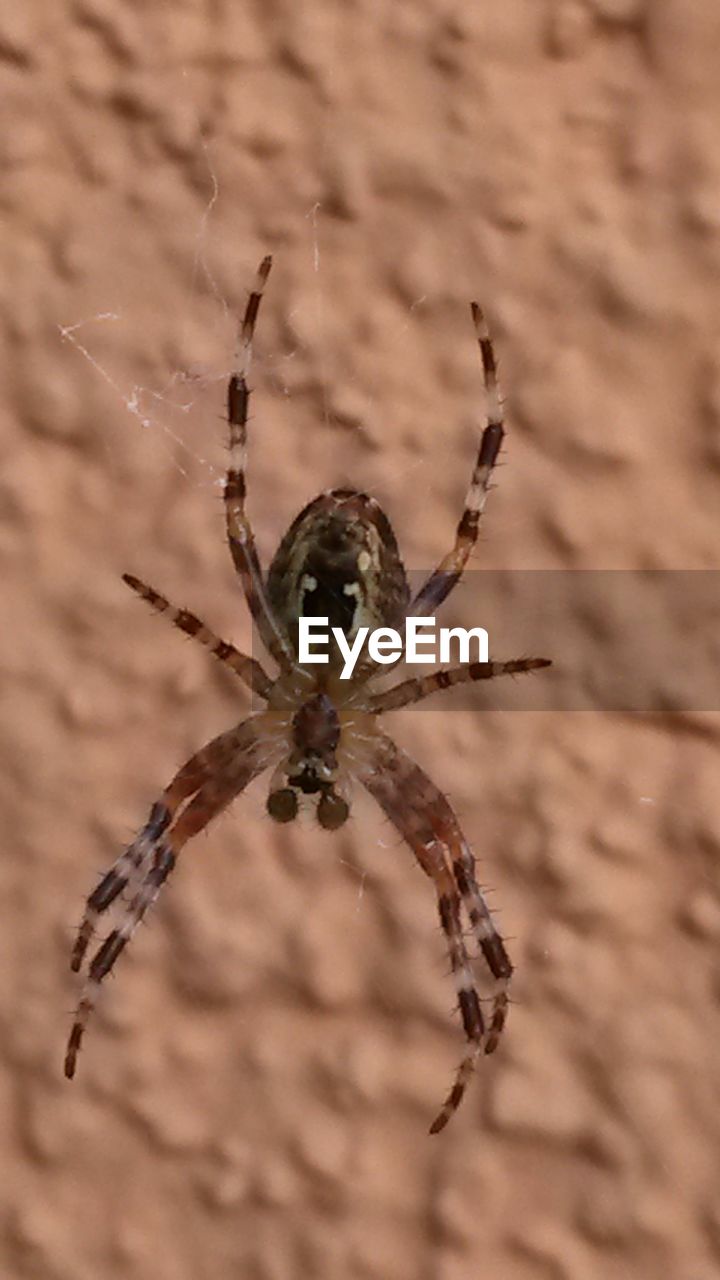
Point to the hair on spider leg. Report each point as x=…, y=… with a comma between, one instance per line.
x=506, y=937
x=482, y=999
x=486, y=998
x=221, y=418
x=475, y=951
x=517, y=1002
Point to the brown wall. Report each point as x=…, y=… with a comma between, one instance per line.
x=253, y=1097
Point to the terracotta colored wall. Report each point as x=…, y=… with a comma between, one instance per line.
x=254, y=1094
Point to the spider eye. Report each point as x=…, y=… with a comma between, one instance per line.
x=332, y=811
x=282, y=805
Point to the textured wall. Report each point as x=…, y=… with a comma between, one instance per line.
x=253, y=1097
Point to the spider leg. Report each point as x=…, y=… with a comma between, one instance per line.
x=246, y=668
x=424, y=818
x=239, y=531
x=414, y=690
x=156, y=851
x=139, y=853
x=441, y=582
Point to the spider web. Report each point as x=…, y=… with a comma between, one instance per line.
x=185, y=389
x=168, y=409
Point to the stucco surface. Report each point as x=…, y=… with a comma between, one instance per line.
x=253, y=1097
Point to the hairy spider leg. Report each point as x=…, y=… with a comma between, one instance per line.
x=213, y=778
x=422, y=815
x=414, y=690
x=239, y=531
x=248, y=669
x=448, y=573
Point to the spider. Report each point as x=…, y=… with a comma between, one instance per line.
x=339, y=559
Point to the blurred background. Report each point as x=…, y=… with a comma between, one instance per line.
x=254, y=1093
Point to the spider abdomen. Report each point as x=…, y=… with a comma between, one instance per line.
x=339, y=560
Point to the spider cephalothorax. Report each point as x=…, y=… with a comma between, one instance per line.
x=338, y=560
x=312, y=766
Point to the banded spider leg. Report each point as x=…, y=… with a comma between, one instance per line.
x=205, y=785
x=448, y=573
x=424, y=818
